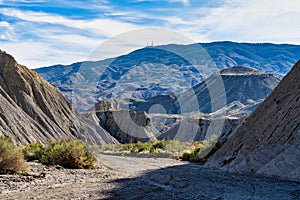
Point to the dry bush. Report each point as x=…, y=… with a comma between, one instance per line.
x=11, y=159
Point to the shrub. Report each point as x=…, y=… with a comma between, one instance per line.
x=194, y=151
x=139, y=147
x=33, y=151
x=194, y=157
x=72, y=154
x=185, y=156
x=160, y=144
x=11, y=159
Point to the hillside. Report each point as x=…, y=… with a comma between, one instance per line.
x=245, y=88
x=139, y=74
x=31, y=109
x=268, y=142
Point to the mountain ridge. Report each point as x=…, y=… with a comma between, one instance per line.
x=135, y=75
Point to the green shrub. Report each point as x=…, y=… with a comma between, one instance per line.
x=160, y=144
x=194, y=157
x=139, y=147
x=194, y=151
x=11, y=159
x=33, y=151
x=200, y=151
x=73, y=154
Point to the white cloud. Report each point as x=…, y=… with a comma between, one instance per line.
x=35, y=54
x=184, y=2
x=103, y=27
x=7, y=31
x=55, y=39
x=253, y=20
x=4, y=24
x=243, y=20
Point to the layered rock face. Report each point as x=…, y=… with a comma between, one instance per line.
x=268, y=143
x=130, y=126
x=127, y=126
x=31, y=109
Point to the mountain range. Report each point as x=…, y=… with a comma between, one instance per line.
x=163, y=70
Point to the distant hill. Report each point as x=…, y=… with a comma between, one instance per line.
x=245, y=89
x=31, y=109
x=167, y=69
x=268, y=142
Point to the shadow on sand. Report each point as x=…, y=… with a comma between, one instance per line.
x=192, y=181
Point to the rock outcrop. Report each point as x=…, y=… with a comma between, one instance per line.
x=268, y=143
x=31, y=109
x=107, y=105
x=128, y=126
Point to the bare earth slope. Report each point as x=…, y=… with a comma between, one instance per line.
x=31, y=109
x=269, y=141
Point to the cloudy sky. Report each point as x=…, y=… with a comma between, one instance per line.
x=45, y=32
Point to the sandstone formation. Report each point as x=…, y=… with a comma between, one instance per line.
x=31, y=109
x=269, y=141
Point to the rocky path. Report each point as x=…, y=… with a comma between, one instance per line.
x=121, y=177
x=130, y=165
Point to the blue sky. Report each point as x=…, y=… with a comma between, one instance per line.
x=43, y=32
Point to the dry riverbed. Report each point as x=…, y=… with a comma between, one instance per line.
x=125, y=177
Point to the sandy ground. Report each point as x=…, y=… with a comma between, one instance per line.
x=124, y=177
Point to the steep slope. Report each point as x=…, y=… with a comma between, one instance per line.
x=245, y=89
x=31, y=109
x=269, y=141
x=138, y=74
